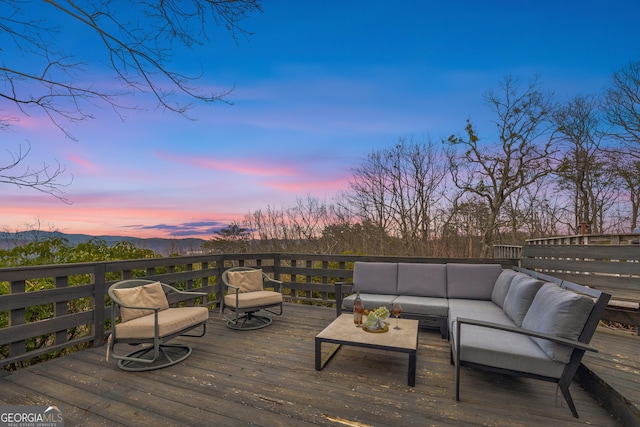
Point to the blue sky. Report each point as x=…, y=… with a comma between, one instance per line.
x=318, y=86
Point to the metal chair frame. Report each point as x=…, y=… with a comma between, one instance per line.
x=155, y=352
x=246, y=319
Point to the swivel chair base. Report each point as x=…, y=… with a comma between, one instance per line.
x=168, y=355
x=249, y=322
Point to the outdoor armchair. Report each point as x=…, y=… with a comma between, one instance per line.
x=244, y=295
x=147, y=321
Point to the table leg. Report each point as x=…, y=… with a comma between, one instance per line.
x=412, y=369
x=322, y=361
x=318, y=354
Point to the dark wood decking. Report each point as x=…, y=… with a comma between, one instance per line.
x=267, y=377
x=614, y=372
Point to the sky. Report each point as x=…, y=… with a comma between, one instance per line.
x=317, y=87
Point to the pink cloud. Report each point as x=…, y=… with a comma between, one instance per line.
x=28, y=122
x=86, y=164
x=327, y=186
x=116, y=219
x=245, y=167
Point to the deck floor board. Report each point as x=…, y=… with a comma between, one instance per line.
x=267, y=377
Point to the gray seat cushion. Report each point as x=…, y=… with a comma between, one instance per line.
x=477, y=309
x=472, y=281
x=423, y=280
x=501, y=349
x=496, y=348
x=375, y=277
x=370, y=301
x=424, y=306
x=559, y=312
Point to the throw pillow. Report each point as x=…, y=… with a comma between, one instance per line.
x=246, y=281
x=500, y=289
x=422, y=280
x=520, y=296
x=375, y=277
x=151, y=295
x=471, y=281
x=559, y=312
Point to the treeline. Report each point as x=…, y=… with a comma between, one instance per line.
x=548, y=168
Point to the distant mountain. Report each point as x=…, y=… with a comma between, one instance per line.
x=158, y=245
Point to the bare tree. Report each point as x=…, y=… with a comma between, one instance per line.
x=398, y=188
x=462, y=228
x=134, y=39
x=45, y=178
x=309, y=217
x=369, y=196
x=522, y=214
x=269, y=225
x=622, y=107
x=584, y=174
x=521, y=154
x=544, y=213
x=626, y=170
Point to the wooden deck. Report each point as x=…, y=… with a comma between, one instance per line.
x=613, y=374
x=267, y=377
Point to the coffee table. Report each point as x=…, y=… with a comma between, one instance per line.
x=342, y=331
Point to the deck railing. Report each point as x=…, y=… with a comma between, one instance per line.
x=588, y=239
x=609, y=263
x=507, y=251
x=52, y=309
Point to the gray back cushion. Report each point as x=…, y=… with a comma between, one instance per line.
x=375, y=277
x=520, y=296
x=559, y=312
x=422, y=280
x=500, y=289
x=472, y=281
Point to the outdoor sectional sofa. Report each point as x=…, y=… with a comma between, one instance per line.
x=511, y=321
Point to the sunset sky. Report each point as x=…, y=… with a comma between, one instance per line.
x=318, y=86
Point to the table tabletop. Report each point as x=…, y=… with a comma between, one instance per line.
x=342, y=329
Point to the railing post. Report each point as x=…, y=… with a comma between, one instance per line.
x=17, y=317
x=61, y=308
x=99, y=312
x=276, y=266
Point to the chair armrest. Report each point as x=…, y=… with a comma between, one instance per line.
x=191, y=293
x=278, y=283
x=516, y=330
x=184, y=295
x=231, y=286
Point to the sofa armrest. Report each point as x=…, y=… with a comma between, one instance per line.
x=517, y=330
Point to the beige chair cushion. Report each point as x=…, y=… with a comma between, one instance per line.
x=170, y=321
x=150, y=295
x=253, y=299
x=247, y=281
